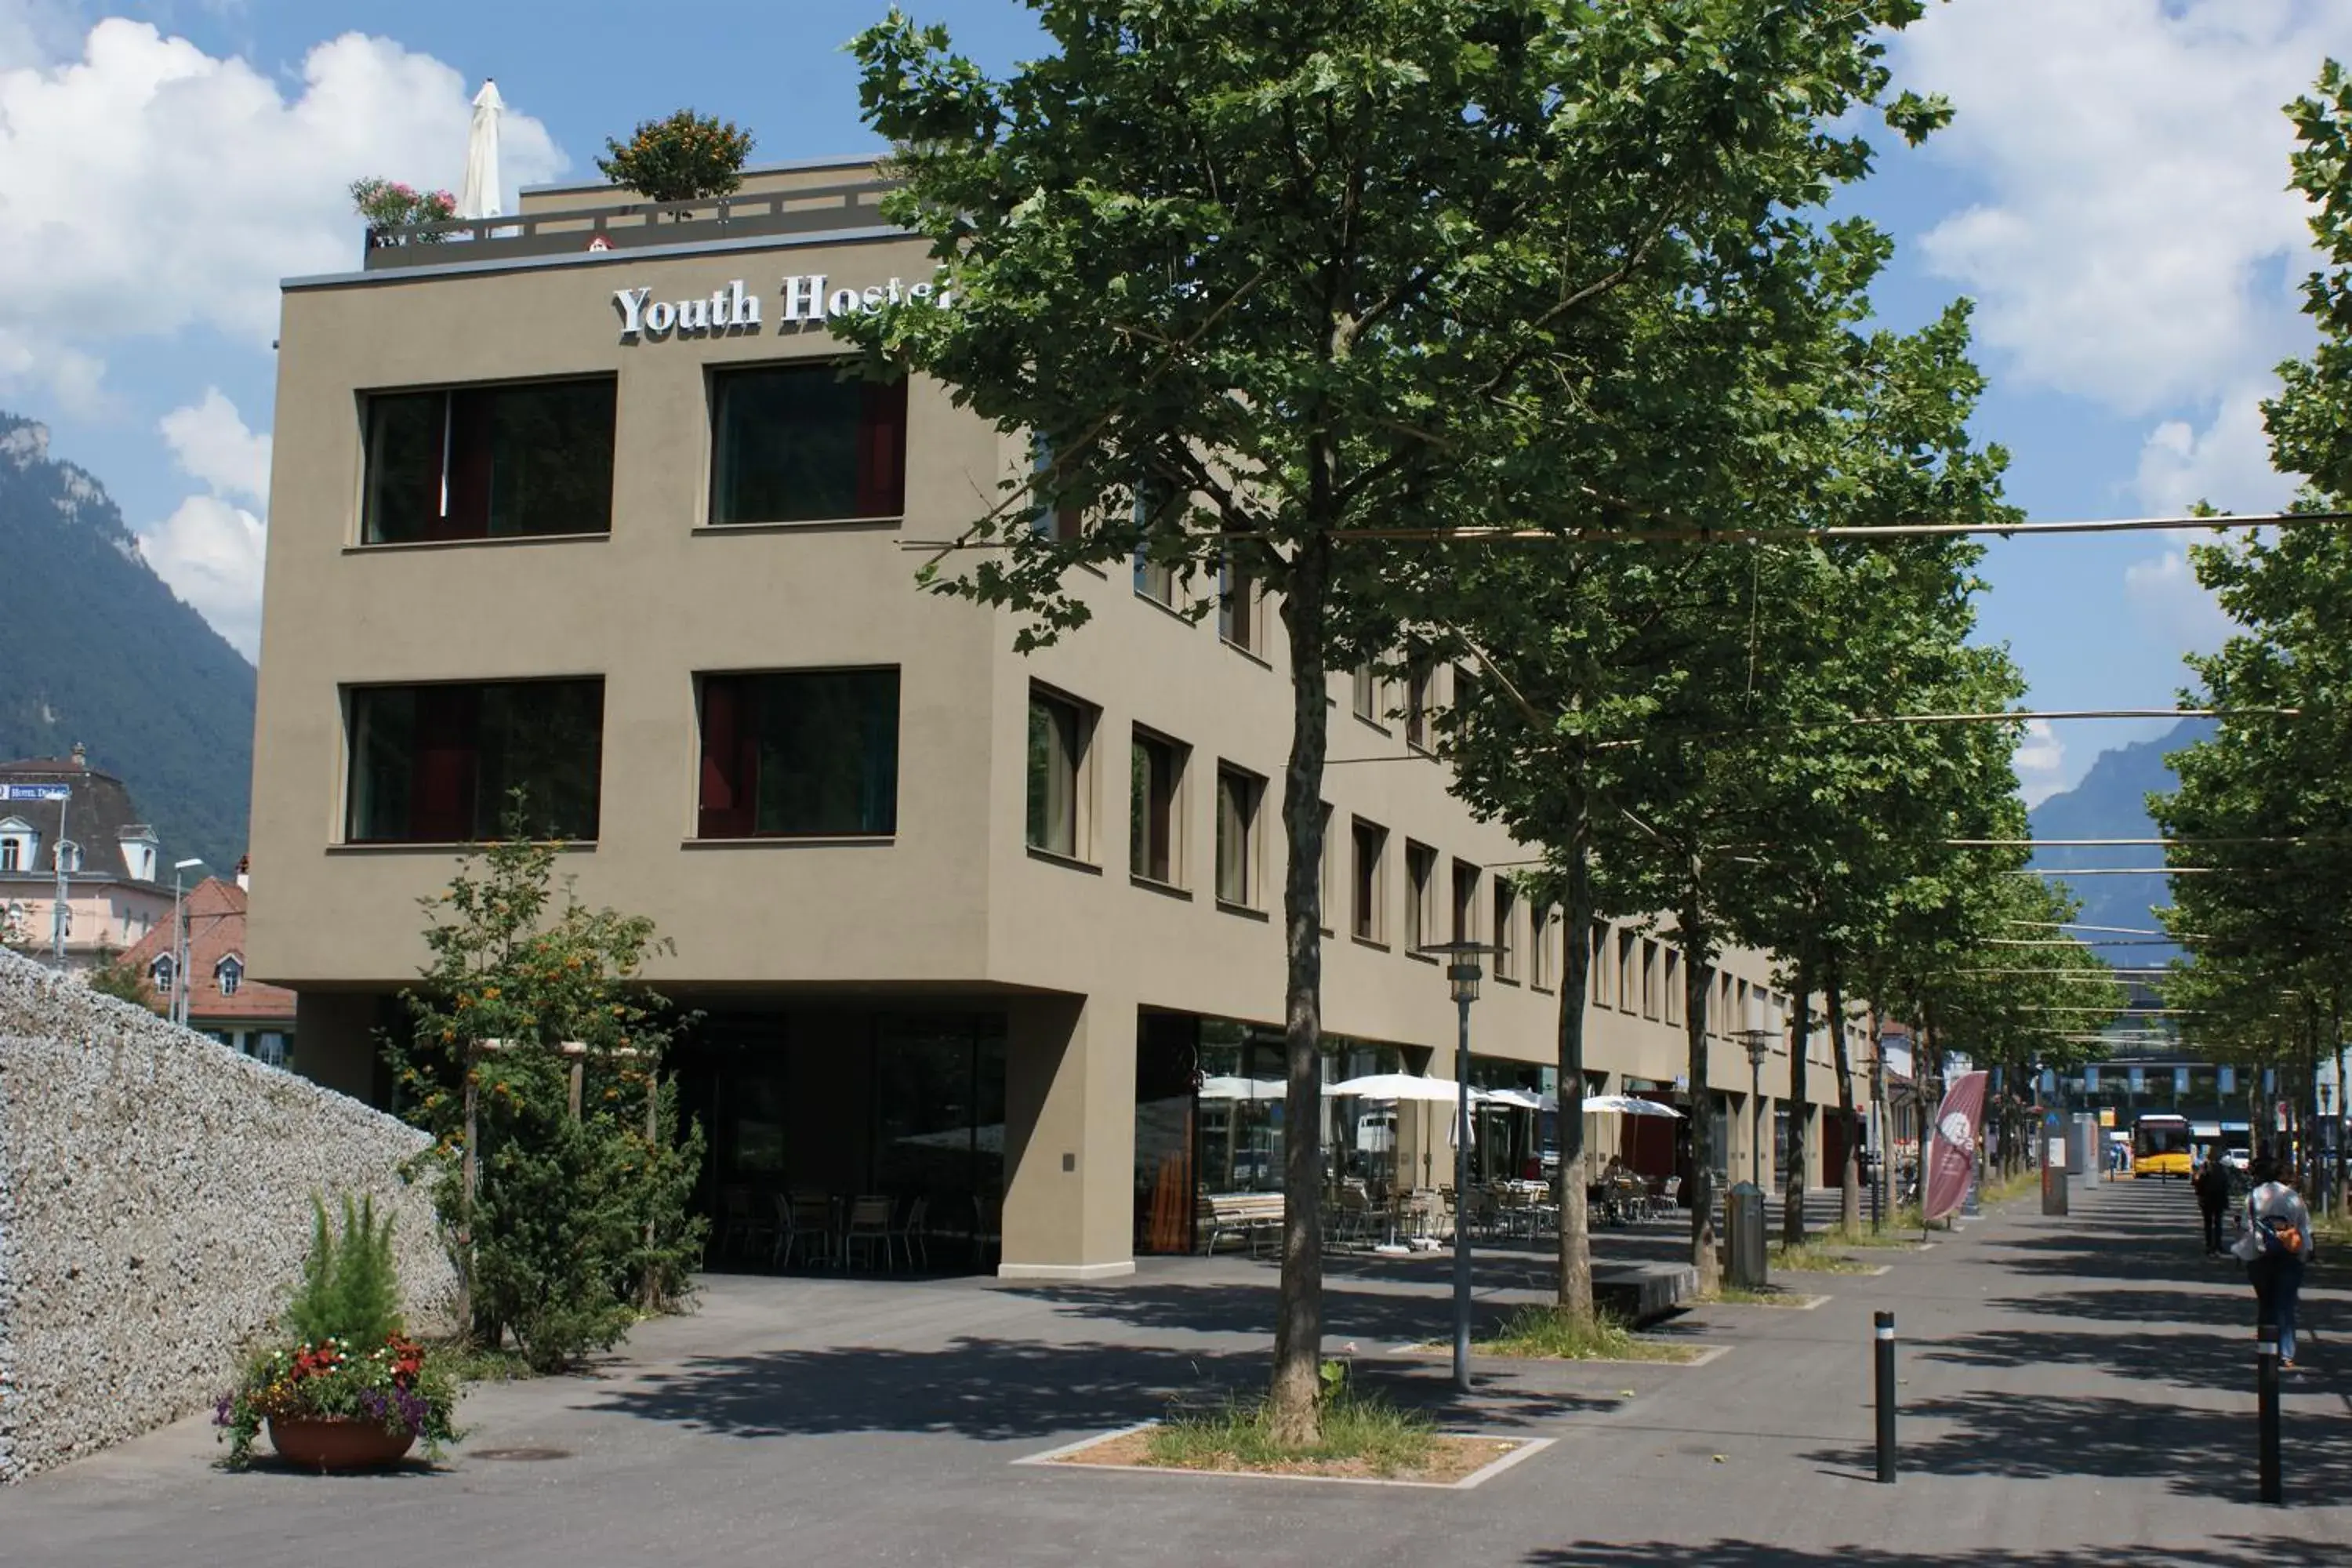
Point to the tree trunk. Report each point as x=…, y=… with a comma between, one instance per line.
x=1882, y=1174
x=470, y=1178
x=1298, y=1322
x=1575, y=985
x=1793, y=1180
x=1849, y=1164
x=1702, y=1119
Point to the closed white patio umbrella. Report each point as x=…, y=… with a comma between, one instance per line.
x=478, y=198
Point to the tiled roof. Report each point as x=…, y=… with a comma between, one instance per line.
x=97, y=817
x=215, y=913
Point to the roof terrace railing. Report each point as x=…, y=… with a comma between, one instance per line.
x=815, y=209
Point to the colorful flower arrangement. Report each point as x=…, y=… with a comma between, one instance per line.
x=395, y=1386
x=350, y=1359
x=388, y=204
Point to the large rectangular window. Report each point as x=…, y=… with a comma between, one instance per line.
x=440, y=764
x=1366, y=693
x=490, y=462
x=1155, y=818
x=1507, y=914
x=1237, y=602
x=1369, y=848
x=1420, y=895
x=1238, y=797
x=1417, y=707
x=797, y=442
x=1059, y=732
x=800, y=752
x=1539, y=956
x=1465, y=902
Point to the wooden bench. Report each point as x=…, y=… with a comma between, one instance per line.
x=1247, y=1216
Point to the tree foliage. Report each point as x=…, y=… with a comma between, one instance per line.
x=1263, y=282
x=681, y=157
x=571, y=1215
x=2263, y=806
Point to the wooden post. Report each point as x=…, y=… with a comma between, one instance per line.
x=470, y=1178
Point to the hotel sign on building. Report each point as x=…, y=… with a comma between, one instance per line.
x=806, y=299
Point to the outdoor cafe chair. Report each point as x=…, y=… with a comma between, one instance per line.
x=911, y=1235
x=869, y=1222
x=807, y=1228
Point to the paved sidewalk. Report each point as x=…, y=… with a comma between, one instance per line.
x=2076, y=1392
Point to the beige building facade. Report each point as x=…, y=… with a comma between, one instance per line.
x=584, y=507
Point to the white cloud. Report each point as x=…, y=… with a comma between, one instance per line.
x=210, y=440
x=2164, y=591
x=2134, y=243
x=210, y=552
x=147, y=187
x=2039, y=762
x=2227, y=463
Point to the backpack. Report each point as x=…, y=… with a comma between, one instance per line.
x=2277, y=1235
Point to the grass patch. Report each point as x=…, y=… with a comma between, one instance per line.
x=1812, y=1257
x=1359, y=1432
x=1551, y=1333
x=1769, y=1295
x=2015, y=1186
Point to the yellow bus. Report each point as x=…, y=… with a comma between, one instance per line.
x=2160, y=1146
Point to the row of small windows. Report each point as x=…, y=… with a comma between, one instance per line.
x=814, y=752
x=790, y=443
x=1062, y=734
x=227, y=974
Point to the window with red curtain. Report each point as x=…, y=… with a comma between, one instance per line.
x=803, y=443
x=803, y=753
x=444, y=763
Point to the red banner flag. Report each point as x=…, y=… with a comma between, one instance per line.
x=1952, y=1147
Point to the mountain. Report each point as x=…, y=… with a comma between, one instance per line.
x=94, y=649
x=2111, y=802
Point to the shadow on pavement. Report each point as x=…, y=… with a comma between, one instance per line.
x=2233, y=1552
x=997, y=1390
x=1385, y=1317
x=2048, y=1438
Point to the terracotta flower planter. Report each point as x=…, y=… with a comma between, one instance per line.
x=335, y=1443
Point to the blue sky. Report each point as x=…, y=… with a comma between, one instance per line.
x=2111, y=196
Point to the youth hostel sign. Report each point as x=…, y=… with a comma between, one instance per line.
x=806, y=299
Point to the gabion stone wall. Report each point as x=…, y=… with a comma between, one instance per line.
x=155, y=1194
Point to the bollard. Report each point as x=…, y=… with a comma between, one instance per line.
x=2266, y=1396
x=1886, y=1353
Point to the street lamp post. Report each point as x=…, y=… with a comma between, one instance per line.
x=1760, y=1046
x=179, y=1010
x=1462, y=976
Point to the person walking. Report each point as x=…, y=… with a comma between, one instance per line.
x=2276, y=1247
x=2212, y=1187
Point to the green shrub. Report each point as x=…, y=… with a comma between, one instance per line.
x=351, y=1288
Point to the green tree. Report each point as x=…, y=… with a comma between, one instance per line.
x=115, y=975
x=534, y=1055
x=681, y=157
x=1263, y=282
x=2263, y=806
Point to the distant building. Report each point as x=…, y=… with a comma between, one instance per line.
x=244, y=1015
x=61, y=808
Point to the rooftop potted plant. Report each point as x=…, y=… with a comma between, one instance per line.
x=347, y=1389
x=389, y=204
x=684, y=157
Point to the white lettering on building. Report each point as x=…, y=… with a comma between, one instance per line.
x=734, y=309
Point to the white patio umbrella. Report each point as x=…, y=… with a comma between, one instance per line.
x=1626, y=1105
x=1518, y=1099
x=1394, y=1085
x=1223, y=1087
x=480, y=196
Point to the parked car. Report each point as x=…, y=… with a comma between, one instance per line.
x=2237, y=1157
